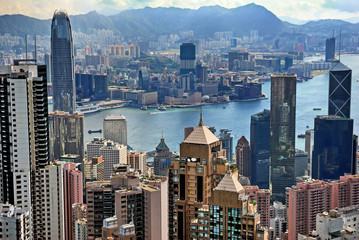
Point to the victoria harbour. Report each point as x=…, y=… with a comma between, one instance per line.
x=145, y=128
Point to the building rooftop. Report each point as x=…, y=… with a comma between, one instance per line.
x=339, y=66
x=114, y=117
x=162, y=145
x=201, y=135
x=229, y=183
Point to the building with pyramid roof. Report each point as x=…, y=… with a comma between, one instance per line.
x=162, y=159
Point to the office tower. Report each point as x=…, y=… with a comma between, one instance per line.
x=15, y=223
x=115, y=128
x=84, y=85
x=282, y=137
x=330, y=49
x=129, y=208
x=66, y=134
x=156, y=210
x=73, y=193
x=192, y=176
x=137, y=161
x=187, y=81
x=188, y=58
x=93, y=147
x=101, y=86
x=243, y=157
x=112, y=153
x=309, y=145
x=81, y=229
x=100, y=205
x=340, y=86
x=304, y=202
x=50, y=219
x=62, y=63
x=234, y=58
x=260, y=146
x=110, y=228
x=333, y=145
x=231, y=214
x=262, y=199
x=227, y=143
x=162, y=159
x=143, y=79
x=24, y=136
x=345, y=191
x=47, y=58
x=278, y=220
x=301, y=163
x=94, y=169
x=127, y=232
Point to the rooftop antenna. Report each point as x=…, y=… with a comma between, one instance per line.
x=340, y=42
x=25, y=46
x=35, y=53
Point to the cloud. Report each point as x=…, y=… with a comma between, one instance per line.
x=350, y=6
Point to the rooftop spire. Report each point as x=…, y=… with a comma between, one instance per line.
x=200, y=117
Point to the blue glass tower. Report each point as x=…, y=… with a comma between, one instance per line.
x=62, y=63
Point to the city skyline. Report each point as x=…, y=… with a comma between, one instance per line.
x=296, y=12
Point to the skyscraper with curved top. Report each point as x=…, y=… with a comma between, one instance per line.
x=62, y=63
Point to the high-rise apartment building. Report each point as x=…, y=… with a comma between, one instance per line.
x=73, y=193
x=62, y=63
x=137, y=161
x=340, y=85
x=330, y=49
x=332, y=155
x=112, y=153
x=14, y=223
x=94, y=169
x=93, y=147
x=243, y=157
x=115, y=129
x=260, y=148
x=345, y=191
x=278, y=220
x=282, y=137
x=100, y=205
x=188, y=58
x=66, y=134
x=192, y=176
x=262, y=199
x=162, y=159
x=304, y=202
x=24, y=136
x=81, y=229
x=78, y=219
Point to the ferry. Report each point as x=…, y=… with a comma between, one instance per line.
x=95, y=131
x=162, y=108
x=301, y=136
x=84, y=109
x=317, y=109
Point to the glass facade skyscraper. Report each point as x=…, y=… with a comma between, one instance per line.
x=333, y=147
x=282, y=134
x=340, y=84
x=62, y=63
x=329, y=49
x=188, y=58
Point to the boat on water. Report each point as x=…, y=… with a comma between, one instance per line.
x=95, y=131
x=84, y=109
x=317, y=109
x=144, y=107
x=162, y=108
x=301, y=136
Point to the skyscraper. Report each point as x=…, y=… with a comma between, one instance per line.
x=260, y=145
x=227, y=143
x=332, y=153
x=143, y=79
x=329, y=49
x=115, y=128
x=162, y=159
x=24, y=136
x=188, y=58
x=47, y=57
x=201, y=164
x=282, y=127
x=340, y=85
x=62, y=63
x=243, y=157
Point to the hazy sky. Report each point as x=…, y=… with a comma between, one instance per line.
x=300, y=9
